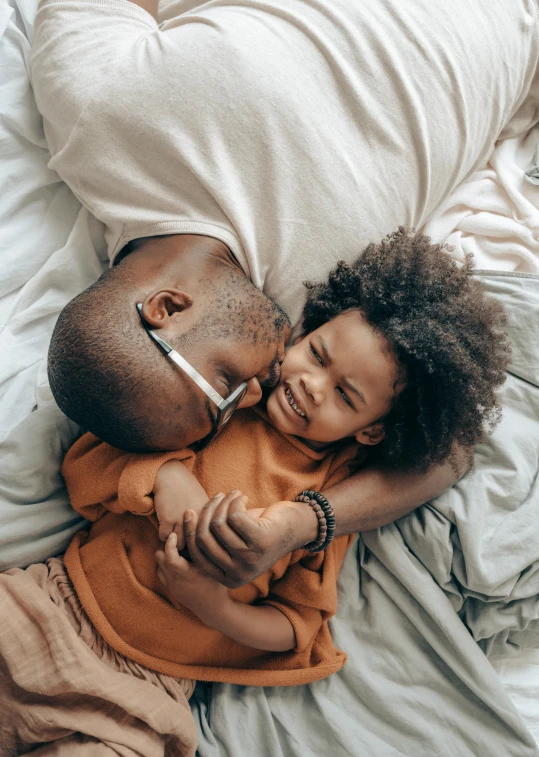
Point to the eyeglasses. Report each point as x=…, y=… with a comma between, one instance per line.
x=225, y=406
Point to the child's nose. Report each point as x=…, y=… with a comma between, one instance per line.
x=313, y=386
x=253, y=394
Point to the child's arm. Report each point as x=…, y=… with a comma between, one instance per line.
x=306, y=594
x=176, y=490
x=103, y=479
x=261, y=627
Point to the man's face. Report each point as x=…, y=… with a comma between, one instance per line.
x=182, y=413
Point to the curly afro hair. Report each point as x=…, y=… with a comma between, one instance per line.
x=447, y=336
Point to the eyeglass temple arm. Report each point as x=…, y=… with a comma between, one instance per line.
x=183, y=364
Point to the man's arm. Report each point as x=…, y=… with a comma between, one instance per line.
x=235, y=548
x=79, y=52
x=374, y=497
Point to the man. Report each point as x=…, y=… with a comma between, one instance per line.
x=285, y=135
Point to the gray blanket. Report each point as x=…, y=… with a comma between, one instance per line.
x=422, y=603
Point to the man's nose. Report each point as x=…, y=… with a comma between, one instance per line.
x=253, y=394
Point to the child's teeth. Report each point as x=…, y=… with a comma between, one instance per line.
x=293, y=404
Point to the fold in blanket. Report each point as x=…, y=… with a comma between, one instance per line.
x=494, y=214
x=61, y=683
x=461, y=570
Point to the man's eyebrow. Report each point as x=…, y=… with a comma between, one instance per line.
x=344, y=380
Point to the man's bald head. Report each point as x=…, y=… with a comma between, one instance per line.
x=110, y=377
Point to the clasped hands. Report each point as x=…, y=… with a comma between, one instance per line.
x=227, y=544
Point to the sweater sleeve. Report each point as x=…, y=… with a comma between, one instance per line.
x=307, y=593
x=101, y=478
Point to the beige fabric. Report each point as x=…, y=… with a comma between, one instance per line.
x=296, y=132
x=60, y=682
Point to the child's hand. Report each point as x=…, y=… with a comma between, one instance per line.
x=169, y=511
x=176, y=490
x=187, y=584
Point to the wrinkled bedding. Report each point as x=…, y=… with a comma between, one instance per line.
x=418, y=681
x=50, y=249
x=424, y=603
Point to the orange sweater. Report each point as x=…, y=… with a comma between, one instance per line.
x=114, y=570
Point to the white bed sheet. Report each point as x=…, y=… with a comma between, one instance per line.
x=520, y=676
x=51, y=248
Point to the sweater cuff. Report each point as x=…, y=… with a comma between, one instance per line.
x=306, y=623
x=135, y=488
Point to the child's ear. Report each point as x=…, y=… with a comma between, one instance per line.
x=371, y=435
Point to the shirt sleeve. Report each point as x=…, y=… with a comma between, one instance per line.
x=307, y=593
x=76, y=49
x=101, y=478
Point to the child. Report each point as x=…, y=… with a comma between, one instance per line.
x=403, y=352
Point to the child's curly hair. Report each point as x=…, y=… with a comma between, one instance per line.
x=447, y=335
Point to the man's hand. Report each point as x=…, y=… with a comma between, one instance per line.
x=187, y=584
x=235, y=545
x=260, y=627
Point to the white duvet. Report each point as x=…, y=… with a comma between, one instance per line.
x=51, y=248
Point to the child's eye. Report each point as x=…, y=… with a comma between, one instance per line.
x=344, y=396
x=316, y=356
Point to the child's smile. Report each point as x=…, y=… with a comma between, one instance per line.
x=336, y=382
x=290, y=403
x=294, y=402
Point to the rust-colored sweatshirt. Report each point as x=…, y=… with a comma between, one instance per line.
x=114, y=571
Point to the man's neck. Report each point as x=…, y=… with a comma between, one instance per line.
x=185, y=255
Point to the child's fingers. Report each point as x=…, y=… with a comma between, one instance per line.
x=165, y=529
x=172, y=558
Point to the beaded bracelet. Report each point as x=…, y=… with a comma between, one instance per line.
x=326, y=519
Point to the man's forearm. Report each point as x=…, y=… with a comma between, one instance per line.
x=374, y=497
x=369, y=499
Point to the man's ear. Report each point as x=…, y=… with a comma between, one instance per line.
x=161, y=305
x=371, y=435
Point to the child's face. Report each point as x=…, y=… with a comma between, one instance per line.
x=341, y=378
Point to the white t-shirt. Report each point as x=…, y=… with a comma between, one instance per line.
x=294, y=131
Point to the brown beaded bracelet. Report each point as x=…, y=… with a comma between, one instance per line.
x=326, y=519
